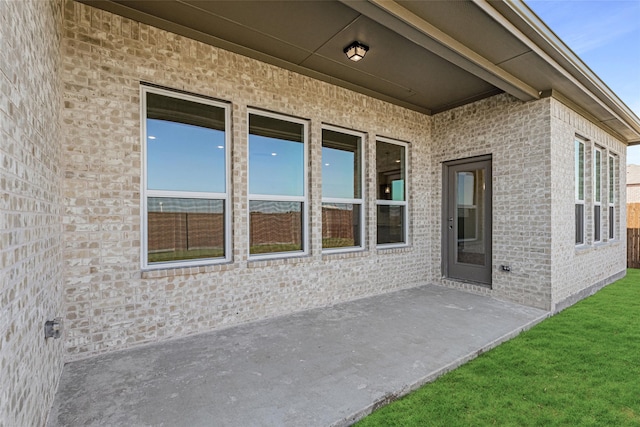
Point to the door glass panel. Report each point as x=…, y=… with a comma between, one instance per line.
x=470, y=188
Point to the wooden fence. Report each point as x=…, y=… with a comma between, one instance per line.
x=633, y=247
x=633, y=215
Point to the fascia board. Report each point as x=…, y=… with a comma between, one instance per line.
x=577, y=70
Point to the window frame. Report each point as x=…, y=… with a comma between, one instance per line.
x=611, y=196
x=597, y=194
x=360, y=201
x=404, y=203
x=579, y=142
x=145, y=193
x=280, y=198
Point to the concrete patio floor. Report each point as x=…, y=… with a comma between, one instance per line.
x=323, y=367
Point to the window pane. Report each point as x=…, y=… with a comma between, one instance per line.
x=340, y=225
x=185, y=145
x=597, y=167
x=183, y=229
x=596, y=223
x=390, y=160
x=470, y=222
x=275, y=226
x=612, y=222
x=341, y=169
x=612, y=180
x=390, y=224
x=579, y=170
x=466, y=190
x=579, y=224
x=276, y=157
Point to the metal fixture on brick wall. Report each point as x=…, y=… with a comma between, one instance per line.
x=53, y=328
x=505, y=268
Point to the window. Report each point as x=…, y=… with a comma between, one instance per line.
x=277, y=185
x=185, y=181
x=597, y=195
x=392, y=209
x=579, y=185
x=612, y=197
x=342, y=201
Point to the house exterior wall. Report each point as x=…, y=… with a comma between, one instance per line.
x=30, y=209
x=112, y=304
x=516, y=135
x=633, y=184
x=579, y=270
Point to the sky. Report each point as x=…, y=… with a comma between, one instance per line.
x=605, y=34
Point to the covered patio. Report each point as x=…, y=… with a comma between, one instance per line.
x=323, y=367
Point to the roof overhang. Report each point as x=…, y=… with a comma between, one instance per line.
x=426, y=56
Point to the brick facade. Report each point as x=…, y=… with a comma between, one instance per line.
x=576, y=268
x=112, y=304
x=31, y=265
x=72, y=196
x=516, y=135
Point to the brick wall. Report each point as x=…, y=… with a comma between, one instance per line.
x=633, y=193
x=111, y=303
x=576, y=268
x=516, y=135
x=30, y=209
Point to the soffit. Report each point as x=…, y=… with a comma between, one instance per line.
x=429, y=56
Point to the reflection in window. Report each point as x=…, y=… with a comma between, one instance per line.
x=391, y=224
x=182, y=229
x=186, y=188
x=391, y=189
x=470, y=233
x=342, y=200
x=467, y=195
x=579, y=187
x=275, y=226
x=597, y=194
x=277, y=185
x=612, y=197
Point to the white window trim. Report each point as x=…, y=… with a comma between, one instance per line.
x=597, y=203
x=145, y=193
x=360, y=201
x=612, y=200
x=404, y=203
x=276, y=198
x=579, y=201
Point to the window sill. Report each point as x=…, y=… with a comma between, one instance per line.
x=169, y=271
x=401, y=248
x=343, y=254
x=282, y=260
x=585, y=248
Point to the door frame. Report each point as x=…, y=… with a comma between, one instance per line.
x=488, y=215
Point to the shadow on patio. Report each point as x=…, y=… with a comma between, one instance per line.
x=321, y=367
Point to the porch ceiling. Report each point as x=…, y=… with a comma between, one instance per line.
x=429, y=56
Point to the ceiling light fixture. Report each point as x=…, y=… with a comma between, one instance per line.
x=356, y=51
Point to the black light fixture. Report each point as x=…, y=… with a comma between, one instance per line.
x=356, y=51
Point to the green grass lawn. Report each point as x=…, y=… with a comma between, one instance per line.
x=578, y=368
